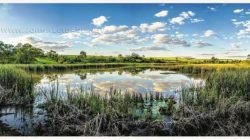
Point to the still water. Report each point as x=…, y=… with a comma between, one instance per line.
x=142, y=81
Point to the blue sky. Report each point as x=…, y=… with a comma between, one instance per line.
x=194, y=30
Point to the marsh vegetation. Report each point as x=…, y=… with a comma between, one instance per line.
x=52, y=94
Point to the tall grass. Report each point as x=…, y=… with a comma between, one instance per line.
x=221, y=107
x=90, y=113
x=16, y=86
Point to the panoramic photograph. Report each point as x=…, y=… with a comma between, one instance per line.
x=124, y=69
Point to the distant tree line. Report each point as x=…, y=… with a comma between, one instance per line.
x=27, y=54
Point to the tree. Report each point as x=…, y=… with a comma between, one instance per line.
x=248, y=57
x=26, y=54
x=83, y=53
x=214, y=59
x=52, y=55
x=6, y=52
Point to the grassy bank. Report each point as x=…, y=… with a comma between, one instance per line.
x=16, y=86
x=187, y=68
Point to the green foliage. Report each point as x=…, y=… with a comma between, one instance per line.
x=52, y=55
x=27, y=54
x=6, y=53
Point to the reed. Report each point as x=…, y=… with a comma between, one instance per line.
x=16, y=86
x=81, y=112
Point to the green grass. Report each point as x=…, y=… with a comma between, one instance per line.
x=220, y=108
x=16, y=86
x=45, y=61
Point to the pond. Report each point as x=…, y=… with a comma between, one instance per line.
x=143, y=81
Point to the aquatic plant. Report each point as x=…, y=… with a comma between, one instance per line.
x=81, y=112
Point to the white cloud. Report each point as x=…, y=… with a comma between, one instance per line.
x=245, y=32
x=156, y=26
x=99, y=20
x=182, y=17
x=237, y=23
x=177, y=20
x=236, y=45
x=234, y=20
x=45, y=45
x=115, y=35
x=237, y=11
x=247, y=13
x=211, y=8
x=191, y=13
x=161, y=39
x=162, y=13
x=150, y=48
x=111, y=29
x=201, y=44
x=110, y=39
x=76, y=34
x=196, y=20
x=209, y=33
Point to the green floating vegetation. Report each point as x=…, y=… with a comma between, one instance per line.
x=16, y=86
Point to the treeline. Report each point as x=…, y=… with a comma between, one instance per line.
x=21, y=53
x=28, y=54
x=133, y=58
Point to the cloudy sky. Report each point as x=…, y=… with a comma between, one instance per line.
x=194, y=30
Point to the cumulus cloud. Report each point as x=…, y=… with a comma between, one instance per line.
x=207, y=54
x=150, y=48
x=99, y=20
x=236, y=45
x=234, y=51
x=118, y=35
x=156, y=26
x=180, y=35
x=209, y=33
x=111, y=29
x=182, y=17
x=162, y=13
x=110, y=39
x=201, y=44
x=196, y=20
x=237, y=11
x=45, y=45
x=160, y=39
x=245, y=32
x=237, y=23
x=211, y=8
x=177, y=20
x=76, y=34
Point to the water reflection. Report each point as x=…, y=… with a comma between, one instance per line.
x=138, y=80
x=141, y=82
